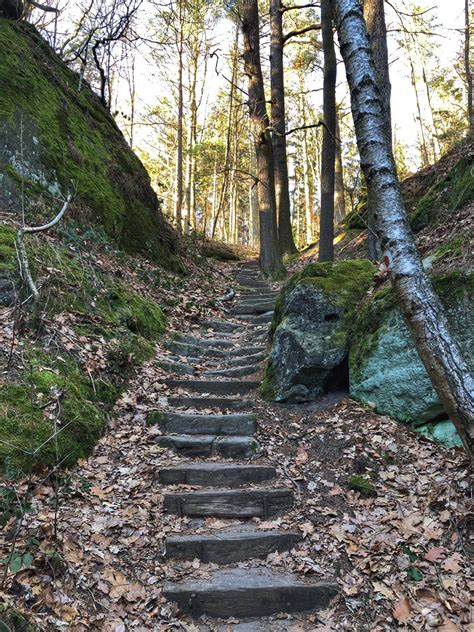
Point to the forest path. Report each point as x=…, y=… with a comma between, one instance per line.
x=203, y=498
x=230, y=354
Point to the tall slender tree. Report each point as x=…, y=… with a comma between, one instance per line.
x=271, y=263
x=374, y=15
x=282, y=190
x=467, y=64
x=419, y=303
x=328, y=157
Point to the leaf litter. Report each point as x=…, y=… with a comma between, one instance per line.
x=398, y=556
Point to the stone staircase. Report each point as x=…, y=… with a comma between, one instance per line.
x=234, y=486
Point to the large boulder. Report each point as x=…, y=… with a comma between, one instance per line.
x=385, y=370
x=311, y=327
x=55, y=138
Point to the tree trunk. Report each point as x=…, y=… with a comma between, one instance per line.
x=419, y=303
x=11, y=9
x=339, y=201
x=467, y=65
x=282, y=192
x=271, y=264
x=179, y=141
x=328, y=157
x=374, y=15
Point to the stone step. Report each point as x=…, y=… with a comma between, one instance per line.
x=257, y=309
x=244, y=424
x=247, y=360
x=195, y=351
x=230, y=503
x=205, y=446
x=231, y=387
x=201, y=341
x=174, y=366
x=244, y=592
x=228, y=546
x=253, y=284
x=239, y=371
x=258, y=298
x=223, y=326
x=209, y=402
x=215, y=474
x=257, y=320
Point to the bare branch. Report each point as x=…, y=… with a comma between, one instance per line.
x=301, y=6
x=296, y=32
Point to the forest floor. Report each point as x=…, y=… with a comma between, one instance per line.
x=398, y=551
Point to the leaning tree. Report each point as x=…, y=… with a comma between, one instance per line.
x=419, y=304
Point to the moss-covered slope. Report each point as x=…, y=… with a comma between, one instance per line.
x=71, y=354
x=55, y=138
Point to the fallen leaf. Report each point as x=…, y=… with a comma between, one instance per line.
x=402, y=609
x=451, y=564
x=434, y=553
x=381, y=588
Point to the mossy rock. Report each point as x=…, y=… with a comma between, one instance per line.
x=56, y=139
x=385, y=370
x=313, y=318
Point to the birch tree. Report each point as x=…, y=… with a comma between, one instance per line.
x=419, y=303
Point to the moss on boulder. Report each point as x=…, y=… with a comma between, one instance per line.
x=384, y=368
x=313, y=318
x=56, y=138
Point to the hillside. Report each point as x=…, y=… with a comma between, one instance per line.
x=57, y=138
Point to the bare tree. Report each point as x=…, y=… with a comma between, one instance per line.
x=467, y=64
x=270, y=258
x=282, y=190
x=419, y=303
x=328, y=156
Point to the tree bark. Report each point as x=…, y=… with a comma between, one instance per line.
x=271, y=263
x=179, y=143
x=339, y=201
x=282, y=192
x=11, y=9
x=328, y=158
x=374, y=15
x=419, y=303
x=467, y=65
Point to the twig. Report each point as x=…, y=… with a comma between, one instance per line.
x=21, y=250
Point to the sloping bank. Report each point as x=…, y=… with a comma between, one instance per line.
x=64, y=363
x=327, y=333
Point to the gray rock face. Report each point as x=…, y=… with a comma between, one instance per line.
x=385, y=370
x=311, y=330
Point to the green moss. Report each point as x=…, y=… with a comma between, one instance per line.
x=13, y=621
x=129, y=351
x=7, y=249
x=452, y=191
x=373, y=313
x=154, y=418
x=26, y=434
x=267, y=388
x=79, y=146
x=342, y=283
x=362, y=485
x=140, y=315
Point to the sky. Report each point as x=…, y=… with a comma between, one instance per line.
x=449, y=15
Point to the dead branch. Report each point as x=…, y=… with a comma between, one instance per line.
x=21, y=250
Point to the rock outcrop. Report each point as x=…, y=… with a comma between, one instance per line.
x=385, y=370
x=311, y=328
x=55, y=138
